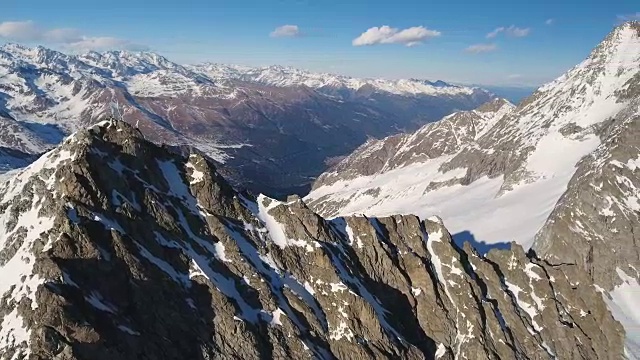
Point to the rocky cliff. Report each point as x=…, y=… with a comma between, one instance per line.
x=112, y=247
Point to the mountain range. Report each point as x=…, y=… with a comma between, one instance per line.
x=273, y=129
x=500, y=231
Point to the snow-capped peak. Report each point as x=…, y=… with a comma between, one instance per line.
x=16, y=48
x=38, y=54
x=129, y=63
x=617, y=54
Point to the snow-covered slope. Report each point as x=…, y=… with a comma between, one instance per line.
x=275, y=135
x=112, y=247
x=513, y=178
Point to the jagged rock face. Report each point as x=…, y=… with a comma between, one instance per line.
x=114, y=248
x=597, y=221
x=275, y=135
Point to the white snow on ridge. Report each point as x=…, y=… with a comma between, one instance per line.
x=18, y=269
x=273, y=227
x=474, y=208
x=441, y=351
x=623, y=303
x=287, y=76
x=13, y=331
x=526, y=307
x=276, y=229
x=196, y=175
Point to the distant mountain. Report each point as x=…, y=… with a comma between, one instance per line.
x=337, y=84
x=559, y=174
x=114, y=248
x=274, y=128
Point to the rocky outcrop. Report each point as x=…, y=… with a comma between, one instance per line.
x=115, y=248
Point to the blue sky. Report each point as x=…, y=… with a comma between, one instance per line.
x=448, y=39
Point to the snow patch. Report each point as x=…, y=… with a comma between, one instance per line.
x=528, y=308
x=623, y=303
x=274, y=228
x=13, y=332
x=196, y=175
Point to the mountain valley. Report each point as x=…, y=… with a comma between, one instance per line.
x=273, y=129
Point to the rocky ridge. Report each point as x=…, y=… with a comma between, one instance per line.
x=597, y=221
x=116, y=248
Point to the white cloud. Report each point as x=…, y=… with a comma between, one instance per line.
x=62, y=35
x=517, y=32
x=103, y=43
x=514, y=76
x=387, y=35
x=481, y=48
x=629, y=17
x=550, y=21
x=69, y=38
x=286, y=31
x=495, y=32
x=20, y=30
x=512, y=30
